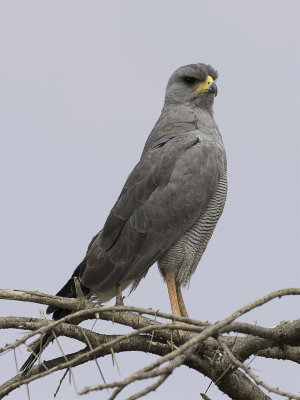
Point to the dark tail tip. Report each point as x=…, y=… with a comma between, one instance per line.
x=36, y=352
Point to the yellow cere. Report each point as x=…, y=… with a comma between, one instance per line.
x=204, y=85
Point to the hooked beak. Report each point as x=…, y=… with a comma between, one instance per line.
x=213, y=89
x=207, y=86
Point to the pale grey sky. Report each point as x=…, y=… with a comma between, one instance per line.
x=81, y=86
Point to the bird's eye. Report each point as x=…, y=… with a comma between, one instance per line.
x=189, y=79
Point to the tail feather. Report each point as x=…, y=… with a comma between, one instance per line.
x=68, y=290
x=36, y=352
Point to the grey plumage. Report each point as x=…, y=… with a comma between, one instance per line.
x=182, y=167
x=171, y=201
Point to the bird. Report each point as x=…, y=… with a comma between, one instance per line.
x=169, y=205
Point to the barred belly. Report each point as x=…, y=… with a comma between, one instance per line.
x=183, y=257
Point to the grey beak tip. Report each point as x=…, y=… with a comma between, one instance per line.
x=213, y=89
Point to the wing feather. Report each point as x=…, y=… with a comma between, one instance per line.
x=164, y=195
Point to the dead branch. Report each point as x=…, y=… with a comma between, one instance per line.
x=215, y=350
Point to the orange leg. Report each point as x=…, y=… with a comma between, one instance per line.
x=173, y=295
x=182, y=307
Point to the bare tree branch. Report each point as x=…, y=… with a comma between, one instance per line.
x=256, y=379
x=212, y=349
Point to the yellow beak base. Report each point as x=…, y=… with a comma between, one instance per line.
x=204, y=85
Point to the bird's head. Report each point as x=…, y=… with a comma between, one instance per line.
x=192, y=84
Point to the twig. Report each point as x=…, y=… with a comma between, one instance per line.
x=70, y=368
x=149, y=389
x=60, y=382
x=256, y=379
x=186, y=353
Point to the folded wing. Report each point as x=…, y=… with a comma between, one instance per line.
x=164, y=195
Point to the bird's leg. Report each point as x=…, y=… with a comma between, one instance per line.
x=119, y=298
x=170, y=279
x=182, y=307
